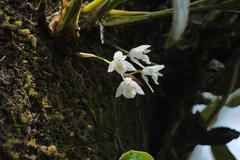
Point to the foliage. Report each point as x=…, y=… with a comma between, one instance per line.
x=136, y=155
x=234, y=99
x=222, y=153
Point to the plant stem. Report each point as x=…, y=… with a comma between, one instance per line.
x=93, y=6
x=70, y=16
x=132, y=73
x=198, y=2
x=88, y=55
x=113, y=4
x=232, y=5
x=226, y=95
x=125, y=13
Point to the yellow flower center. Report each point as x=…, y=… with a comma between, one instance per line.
x=119, y=67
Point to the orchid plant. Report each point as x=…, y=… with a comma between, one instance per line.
x=128, y=87
x=75, y=14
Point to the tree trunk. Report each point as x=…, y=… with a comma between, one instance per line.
x=54, y=105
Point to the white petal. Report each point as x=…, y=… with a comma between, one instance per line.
x=146, y=80
x=155, y=78
x=120, y=68
x=148, y=71
x=111, y=66
x=120, y=55
x=146, y=51
x=158, y=67
x=143, y=47
x=137, y=88
x=136, y=61
x=160, y=74
x=139, y=54
x=134, y=53
x=146, y=59
x=119, y=89
x=129, y=92
x=129, y=66
x=127, y=80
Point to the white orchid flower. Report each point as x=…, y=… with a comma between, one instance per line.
x=120, y=64
x=139, y=53
x=152, y=71
x=128, y=88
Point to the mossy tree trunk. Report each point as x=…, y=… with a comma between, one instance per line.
x=54, y=105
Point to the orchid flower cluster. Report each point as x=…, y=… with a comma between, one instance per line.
x=128, y=87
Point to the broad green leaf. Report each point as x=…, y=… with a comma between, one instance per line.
x=180, y=19
x=207, y=112
x=234, y=99
x=222, y=153
x=136, y=155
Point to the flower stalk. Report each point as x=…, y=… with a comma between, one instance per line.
x=89, y=55
x=129, y=87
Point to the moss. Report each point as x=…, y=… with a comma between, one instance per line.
x=7, y=18
x=23, y=118
x=14, y=156
x=26, y=86
x=32, y=93
x=18, y=23
x=33, y=40
x=43, y=149
x=24, y=61
x=25, y=32
x=101, y=116
x=57, y=116
x=10, y=103
x=8, y=145
x=35, y=58
x=26, y=117
x=1, y=13
x=52, y=150
x=86, y=130
x=29, y=82
x=29, y=79
x=45, y=103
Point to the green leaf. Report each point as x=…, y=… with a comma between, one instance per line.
x=180, y=19
x=234, y=99
x=207, y=112
x=136, y=155
x=233, y=5
x=70, y=16
x=91, y=7
x=121, y=17
x=222, y=153
x=113, y=4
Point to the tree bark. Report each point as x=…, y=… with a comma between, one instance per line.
x=54, y=105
